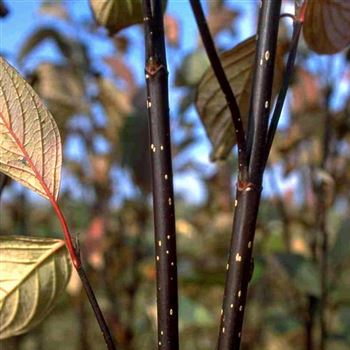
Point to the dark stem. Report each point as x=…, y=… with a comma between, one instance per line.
x=83, y=323
x=321, y=217
x=96, y=308
x=4, y=180
x=3, y=9
x=288, y=73
x=74, y=252
x=162, y=176
x=23, y=209
x=262, y=87
x=312, y=301
x=310, y=322
x=239, y=267
x=224, y=85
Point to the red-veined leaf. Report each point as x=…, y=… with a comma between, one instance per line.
x=30, y=144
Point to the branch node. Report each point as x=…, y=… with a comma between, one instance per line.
x=153, y=65
x=247, y=186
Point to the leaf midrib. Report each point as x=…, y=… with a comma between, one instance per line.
x=58, y=245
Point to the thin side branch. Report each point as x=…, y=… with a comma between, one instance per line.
x=73, y=252
x=262, y=88
x=3, y=182
x=96, y=308
x=84, y=279
x=162, y=176
x=322, y=223
x=224, y=85
x=297, y=25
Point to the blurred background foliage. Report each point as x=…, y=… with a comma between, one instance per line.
x=301, y=277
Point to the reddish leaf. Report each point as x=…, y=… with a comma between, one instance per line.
x=122, y=71
x=94, y=242
x=171, y=30
x=221, y=18
x=306, y=92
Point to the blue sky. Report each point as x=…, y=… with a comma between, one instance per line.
x=24, y=18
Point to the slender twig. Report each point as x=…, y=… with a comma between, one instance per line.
x=297, y=25
x=84, y=330
x=84, y=279
x=310, y=322
x=3, y=9
x=321, y=217
x=224, y=85
x=321, y=221
x=97, y=311
x=162, y=175
x=74, y=253
x=312, y=301
x=239, y=267
x=262, y=87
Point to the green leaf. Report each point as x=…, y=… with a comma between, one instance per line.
x=341, y=247
x=345, y=321
x=301, y=271
x=33, y=274
x=192, y=69
x=116, y=15
x=281, y=321
x=134, y=139
x=30, y=144
x=193, y=314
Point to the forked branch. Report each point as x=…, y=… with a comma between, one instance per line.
x=240, y=263
x=224, y=85
x=288, y=73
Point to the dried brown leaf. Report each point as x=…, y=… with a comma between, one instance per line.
x=54, y=9
x=62, y=89
x=211, y=103
x=306, y=92
x=327, y=25
x=122, y=71
x=117, y=105
x=100, y=168
x=220, y=19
